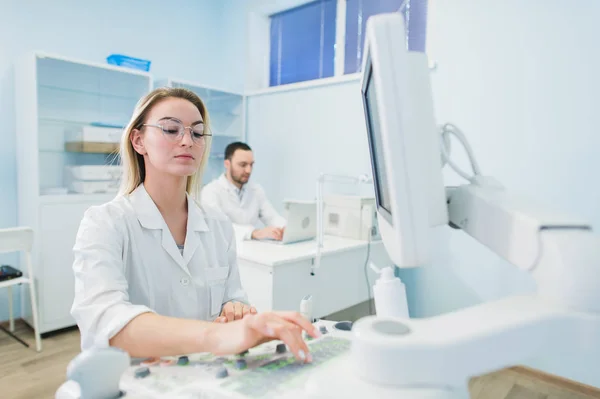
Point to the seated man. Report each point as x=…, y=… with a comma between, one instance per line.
x=243, y=202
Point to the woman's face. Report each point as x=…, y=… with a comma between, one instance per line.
x=168, y=152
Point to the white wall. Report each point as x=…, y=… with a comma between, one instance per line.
x=296, y=135
x=520, y=78
x=193, y=40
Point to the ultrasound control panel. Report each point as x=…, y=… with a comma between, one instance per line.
x=267, y=371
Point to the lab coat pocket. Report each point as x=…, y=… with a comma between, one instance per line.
x=216, y=278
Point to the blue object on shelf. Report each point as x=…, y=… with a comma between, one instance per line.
x=128, y=62
x=102, y=124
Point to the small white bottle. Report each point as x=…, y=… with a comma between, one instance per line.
x=389, y=293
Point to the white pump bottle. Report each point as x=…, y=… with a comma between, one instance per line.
x=389, y=293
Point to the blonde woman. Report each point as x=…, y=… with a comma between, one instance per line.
x=153, y=270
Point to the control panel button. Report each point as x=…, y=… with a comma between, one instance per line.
x=142, y=372
x=183, y=360
x=222, y=373
x=281, y=348
x=241, y=364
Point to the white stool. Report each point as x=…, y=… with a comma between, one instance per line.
x=20, y=239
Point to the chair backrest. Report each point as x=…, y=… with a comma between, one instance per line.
x=16, y=239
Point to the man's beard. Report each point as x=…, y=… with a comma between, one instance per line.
x=239, y=179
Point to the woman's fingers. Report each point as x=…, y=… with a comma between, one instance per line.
x=229, y=311
x=246, y=310
x=291, y=335
x=302, y=322
x=273, y=326
x=238, y=310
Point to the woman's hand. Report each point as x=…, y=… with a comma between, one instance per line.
x=254, y=329
x=234, y=311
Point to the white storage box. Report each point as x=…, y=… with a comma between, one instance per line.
x=93, y=172
x=94, y=187
x=94, y=134
x=351, y=217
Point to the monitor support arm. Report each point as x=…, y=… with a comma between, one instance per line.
x=435, y=357
x=561, y=252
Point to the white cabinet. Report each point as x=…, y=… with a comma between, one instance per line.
x=59, y=222
x=69, y=115
x=277, y=277
x=226, y=111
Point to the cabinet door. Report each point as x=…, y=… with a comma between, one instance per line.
x=257, y=281
x=58, y=224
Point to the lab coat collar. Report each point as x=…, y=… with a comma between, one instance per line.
x=151, y=218
x=196, y=225
x=146, y=210
x=196, y=217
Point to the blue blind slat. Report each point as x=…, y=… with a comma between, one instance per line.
x=303, y=38
x=357, y=13
x=302, y=43
x=417, y=25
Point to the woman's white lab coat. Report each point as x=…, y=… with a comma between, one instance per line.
x=127, y=263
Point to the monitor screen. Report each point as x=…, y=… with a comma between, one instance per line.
x=382, y=190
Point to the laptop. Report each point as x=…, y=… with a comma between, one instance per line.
x=301, y=217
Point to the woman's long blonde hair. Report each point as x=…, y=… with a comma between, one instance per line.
x=132, y=163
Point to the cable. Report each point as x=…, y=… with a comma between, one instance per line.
x=367, y=276
x=323, y=177
x=450, y=129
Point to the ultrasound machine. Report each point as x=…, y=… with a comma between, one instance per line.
x=409, y=358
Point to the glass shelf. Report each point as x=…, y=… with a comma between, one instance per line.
x=90, y=80
x=223, y=113
x=226, y=136
x=71, y=97
x=45, y=120
x=58, y=121
x=219, y=103
x=87, y=93
x=53, y=151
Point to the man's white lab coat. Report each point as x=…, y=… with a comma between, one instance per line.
x=246, y=207
x=127, y=263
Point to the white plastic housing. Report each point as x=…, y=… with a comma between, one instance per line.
x=405, y=154
x=507, y=225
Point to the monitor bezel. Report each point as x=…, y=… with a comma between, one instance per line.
x=369, y=80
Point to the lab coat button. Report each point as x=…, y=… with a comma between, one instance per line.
x=184, y=281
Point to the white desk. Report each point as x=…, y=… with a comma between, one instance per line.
x=277, y=277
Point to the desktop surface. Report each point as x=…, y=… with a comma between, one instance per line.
x=266, y=253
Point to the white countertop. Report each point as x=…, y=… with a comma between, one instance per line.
x=272, y=254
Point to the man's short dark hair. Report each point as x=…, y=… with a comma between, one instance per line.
x=233, y=147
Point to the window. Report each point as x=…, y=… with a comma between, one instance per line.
x=303, y=39
x=303, y=43
x=357, y=13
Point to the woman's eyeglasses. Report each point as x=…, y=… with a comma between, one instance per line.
x=174, y=131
